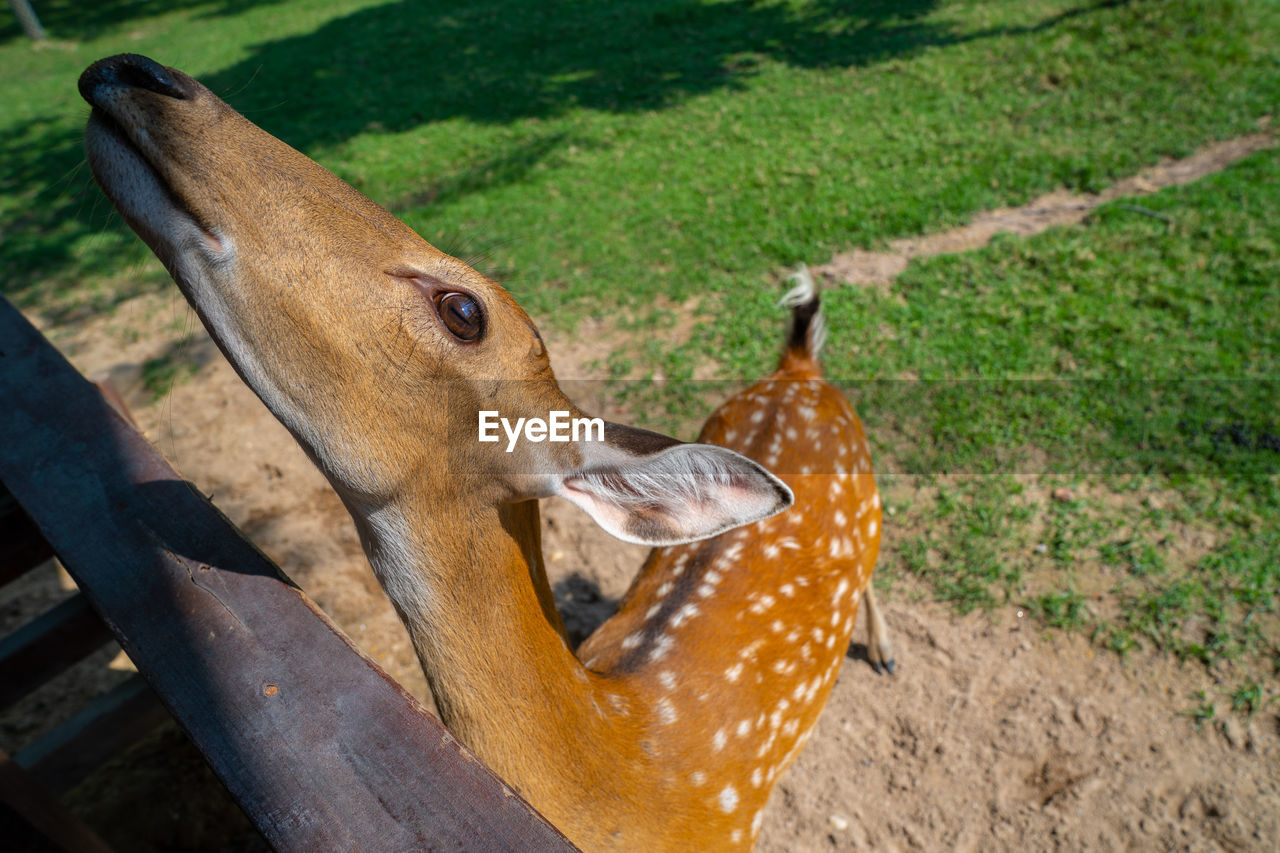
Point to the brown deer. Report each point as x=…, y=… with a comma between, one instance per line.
x=380, y=354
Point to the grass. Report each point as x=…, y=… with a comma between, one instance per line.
x=670, y=147
x=161, y=373
x=1203, y=712
x=1135, y=495
x=1081, y=424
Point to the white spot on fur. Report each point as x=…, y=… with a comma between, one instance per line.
x=684, y=614
x=728, y=799
x=661, y=647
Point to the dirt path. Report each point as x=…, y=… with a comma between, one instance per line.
x=879, y=269
x=991, y=735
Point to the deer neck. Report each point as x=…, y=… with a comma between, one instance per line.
x=469, y=584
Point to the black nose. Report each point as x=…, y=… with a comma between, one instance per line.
x=130, y=69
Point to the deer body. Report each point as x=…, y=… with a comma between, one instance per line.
x=377, y=351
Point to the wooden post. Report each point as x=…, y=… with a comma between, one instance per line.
x=27, y=18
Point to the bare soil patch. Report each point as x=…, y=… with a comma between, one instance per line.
x=992, y=735
x=879, y=269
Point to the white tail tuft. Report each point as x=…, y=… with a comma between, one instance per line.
x=803, y=292
x=809, y=327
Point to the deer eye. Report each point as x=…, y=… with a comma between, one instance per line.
x=461, y=315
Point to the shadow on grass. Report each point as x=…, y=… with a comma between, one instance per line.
x=402, y=65
x=67, y=19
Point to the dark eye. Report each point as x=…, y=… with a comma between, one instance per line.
x=461, y=315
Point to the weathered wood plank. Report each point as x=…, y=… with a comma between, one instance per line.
x=47, y=645
x=64, y=757
x=320, y=748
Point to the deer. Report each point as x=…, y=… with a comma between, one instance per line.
x=669, y=727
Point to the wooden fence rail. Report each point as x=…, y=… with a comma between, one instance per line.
x=321, y=749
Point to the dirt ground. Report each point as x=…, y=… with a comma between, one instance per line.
x=992, y=735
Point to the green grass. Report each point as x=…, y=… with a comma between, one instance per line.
x=1082, y=424
x=1247, y=698
x=1135, y=493
x=161, y=373
x=606, y=153
x=1204, y=711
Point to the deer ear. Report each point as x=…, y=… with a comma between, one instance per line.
x=653, y=490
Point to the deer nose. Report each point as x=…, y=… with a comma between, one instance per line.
x=129, y=70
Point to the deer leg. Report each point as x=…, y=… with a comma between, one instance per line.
x=879, y=648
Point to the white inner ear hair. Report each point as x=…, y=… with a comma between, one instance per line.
x=682, y=479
